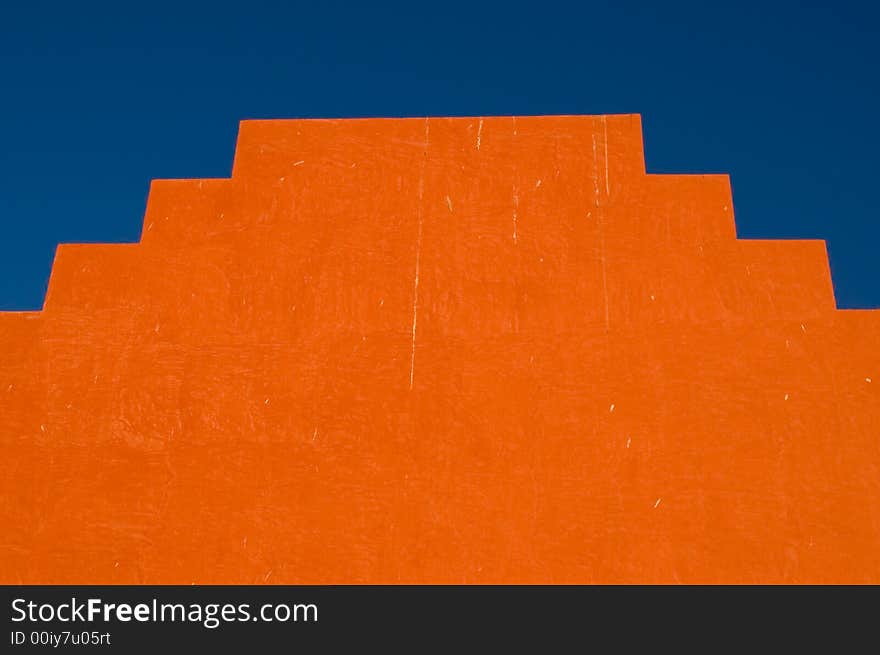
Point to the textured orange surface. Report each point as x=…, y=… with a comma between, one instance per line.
x=440, y=351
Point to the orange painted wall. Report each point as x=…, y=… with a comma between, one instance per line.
x=440, y=351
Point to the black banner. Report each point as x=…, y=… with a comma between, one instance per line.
x=413, y=618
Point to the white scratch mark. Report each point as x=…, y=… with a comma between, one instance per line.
x=381, y=301
x=267, y=575
x=315, y=434
x=149, y=227
x=281, y=179
x=652, y=297
x=9, y=388
x=479, y=133
x=803, y=328
x=628, y=440
x=868, y=380
x=786, y=396
x=538, y=184
x=601, y=235
x=657, y=504
x=42, y=428
x=605, y=139
x=266, y=402
x=116, y=565
x=156, y=329
x=412, y=362
x=515, y=192
x=449, y=203
x=515, y=209
x=611, y=409
x=299, y=163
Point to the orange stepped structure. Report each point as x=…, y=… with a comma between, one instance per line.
x=469, y=350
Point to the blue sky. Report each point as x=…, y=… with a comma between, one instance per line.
x=96, y=99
